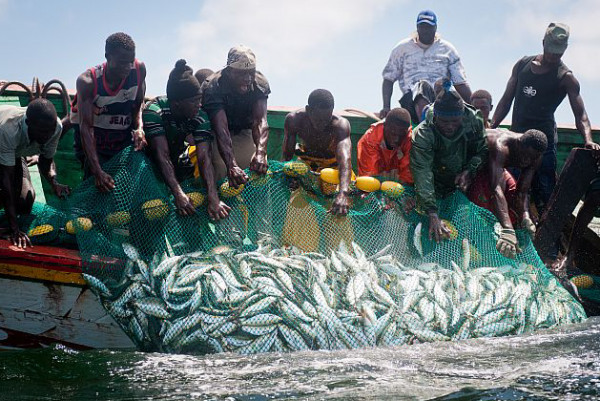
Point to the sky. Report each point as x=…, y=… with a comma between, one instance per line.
x=339, y=45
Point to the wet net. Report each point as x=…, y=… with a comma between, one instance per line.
x=283, y=274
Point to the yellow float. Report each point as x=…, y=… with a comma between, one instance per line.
x=119, y=218
x=196, y=198
x=155, y=209
x=368, y=184
x=41, y=230
x=295, y=169
x=228, y=192
x=583, y=281
x=392, y=189
x=79, y=224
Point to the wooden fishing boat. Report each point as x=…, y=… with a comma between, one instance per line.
x=43, y=296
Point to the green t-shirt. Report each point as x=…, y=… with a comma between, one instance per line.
x=159, y=121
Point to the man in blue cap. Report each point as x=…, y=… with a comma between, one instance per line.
x=538, y=84
x=417, y=62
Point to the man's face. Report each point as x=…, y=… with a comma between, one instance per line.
x=551, y=58
x=447, y=125
x=426, y=33
x=483, y=105
x=319, y=118
x=394, y=133
x=187, y=108
x=40, y=131
x=120, y=62
x=241, y=80
x=528, y=157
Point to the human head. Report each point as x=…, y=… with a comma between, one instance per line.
x=241, y=68
x=320, y=108
x=426, y=26
x=41, y=120
x=396, y=126
x=202, y=74
x=533, y=145
x=120, y=54
x=448, y=110
x=183, y=91
x=482, y=100
x=556, y=40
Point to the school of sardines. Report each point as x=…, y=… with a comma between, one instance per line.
x=283, y=299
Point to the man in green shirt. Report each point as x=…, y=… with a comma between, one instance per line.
x=447, y=150
x=26, y=131
x=173, y=122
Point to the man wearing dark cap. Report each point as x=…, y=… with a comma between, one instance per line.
x=423, y=56
x=235, y=99
x=384, y=150
x=324, y=142
x=26, y=131
x=171, y=123
x=448, y=148
x=538, y=85
x=107, y=110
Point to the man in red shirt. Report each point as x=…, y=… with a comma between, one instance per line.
x=384, y=149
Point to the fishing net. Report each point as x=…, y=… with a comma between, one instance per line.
x=283, y=274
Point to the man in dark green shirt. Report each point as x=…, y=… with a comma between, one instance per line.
x=173, y=122
x=447, y=150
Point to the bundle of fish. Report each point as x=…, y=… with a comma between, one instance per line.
x=281, y=299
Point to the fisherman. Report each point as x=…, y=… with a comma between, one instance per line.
x=235, y=99
x=538, y=84
x=26, y=131
x=448, y=149
x=171, y=121
x=107, y=110
x=422, y=56
x=384, y=150
x=325, y=142
x=495, y=189
x=482, y=101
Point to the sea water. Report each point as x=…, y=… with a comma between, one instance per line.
x=560, y=364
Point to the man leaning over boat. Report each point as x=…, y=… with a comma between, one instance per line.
x=107, y=110
x=26, y=131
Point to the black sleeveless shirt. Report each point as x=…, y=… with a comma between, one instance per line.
x=537, y=97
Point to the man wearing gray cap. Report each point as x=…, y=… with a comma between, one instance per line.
x=538, y=85
x=235, y=99
x=416, y=63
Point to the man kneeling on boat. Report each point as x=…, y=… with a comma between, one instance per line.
x=495, y=189
x=325, y=142
x=26, y=131
x=171, y=123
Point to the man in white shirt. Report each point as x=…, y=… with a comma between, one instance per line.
x=423, y=56
x=26, y=131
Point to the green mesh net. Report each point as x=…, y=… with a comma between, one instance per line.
x=283, y=274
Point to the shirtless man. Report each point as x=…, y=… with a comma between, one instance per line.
x=107, y=110
x=325, y=141
x=495, y=189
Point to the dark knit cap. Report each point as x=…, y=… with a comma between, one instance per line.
x=182, y=83
x=448, y=103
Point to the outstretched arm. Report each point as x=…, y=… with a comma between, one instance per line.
x=260, y=134
x=139, y=139
x=216, y=209
x=387, y=88
x=48, y=171
x=289, y=137
x=235, y=174
x=503, y=106
x=341, y=204
x=85, y=95
x=464, y=90
x=7, y=175
x=582, y=122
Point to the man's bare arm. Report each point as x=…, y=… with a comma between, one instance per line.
x=503, y=106
x=48, y=171
x=464, y=90
x=341, y=204
x=260, y=134
x=289, y=136
x=85, y=105
x=582, y=122
x=216, y=209
x=139, y=139
x=498, y=187
x=18, y=238
x=387, y=88
x=221, y=128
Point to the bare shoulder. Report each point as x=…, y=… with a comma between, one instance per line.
x=85, y=84
x=296, y=117
x=341, y=123
x=142, y=66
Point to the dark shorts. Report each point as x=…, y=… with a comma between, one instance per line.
x=420, y=89
x=481, y=194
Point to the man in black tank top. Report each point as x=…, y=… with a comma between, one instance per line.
x=538, y=85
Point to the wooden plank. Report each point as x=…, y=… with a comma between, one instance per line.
x=580, y=168
x=41, y=274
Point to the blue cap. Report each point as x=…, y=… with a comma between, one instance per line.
x=427, y=17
